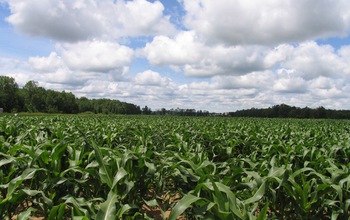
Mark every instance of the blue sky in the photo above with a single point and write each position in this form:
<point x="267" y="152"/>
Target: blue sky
<point x="219" y="55"/>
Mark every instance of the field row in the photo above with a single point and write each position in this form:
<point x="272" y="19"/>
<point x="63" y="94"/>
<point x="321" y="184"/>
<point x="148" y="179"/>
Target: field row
<point x="139" y="167"/>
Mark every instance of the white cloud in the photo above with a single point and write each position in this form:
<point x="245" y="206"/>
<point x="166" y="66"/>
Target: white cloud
<point x="61" y="20"/>
<point x="344" y="54"/>
<point x="17" y="69"/>
<point x="141" y="17"/>
<point x="324" y="87"/>
<point x="81" y="62"/>
<point x="197" y="59"/>
<point x="150" y="78"/>
<point x="11" y="64"/>
<point x="47" y="64"/>
<point x="185" y="52"/>
<point x="321" y="83"/>
<point x="96" y="56"/>
<point x="63" y="78"/>
<point x="181" y="50"/>
<point x="312" y="60"/>
<point x="76" y="20"/>
<point x="290" y="85"/>
<point x="235" y="22"/>
<point x="278" y="54"/>
<point x="258" y="80"/>
<point x="53" y="70"/>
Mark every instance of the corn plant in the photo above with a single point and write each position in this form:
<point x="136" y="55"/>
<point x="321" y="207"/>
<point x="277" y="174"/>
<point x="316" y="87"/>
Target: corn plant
<point x="130" y="167"/>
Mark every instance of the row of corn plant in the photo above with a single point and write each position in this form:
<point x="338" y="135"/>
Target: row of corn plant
<point x="142" y="167"/>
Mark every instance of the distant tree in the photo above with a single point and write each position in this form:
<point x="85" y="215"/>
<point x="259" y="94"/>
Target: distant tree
<point x="8" y="93"/>
<point x="84" y="104"/>
<point x="146" y="110"/>
<point x="320" y="112"/>
<point x="68" y="104"/>
<point x="52" y="101"/>
<point x="35" y="97"/>
<point x="163" y="111"/>
<point x="286" y="111"/>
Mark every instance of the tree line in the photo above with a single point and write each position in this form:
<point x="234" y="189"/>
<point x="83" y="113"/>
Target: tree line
<point x="33" y="98"/>
<point x="286" y="111"/>
<point x="181" y="112"/>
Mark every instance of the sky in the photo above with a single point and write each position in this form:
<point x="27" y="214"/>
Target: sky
<point x="219" y="56"/>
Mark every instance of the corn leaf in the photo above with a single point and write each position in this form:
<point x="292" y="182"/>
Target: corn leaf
<point x="182" y="205"/>
<point x="108" y="209"/>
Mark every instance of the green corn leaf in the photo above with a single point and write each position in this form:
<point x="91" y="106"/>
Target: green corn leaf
<point x="108" y="209"/>
<point x="232" y="198"/>
<point x="347" y="205"/>
<point x="78" y="206"/>
<point x="182" y="205"/>
<point x="262" y="215"/>
<point x="233" y="201"/>
<point x="120" y="175"/>
<point x="219" y="199"/>
<point x="339" y="191"/>
<point x="26" y="175"/>
<point x="58" y="150"/>
<point x="258" y="194"/>
<point x="151" y="168"/>
<point x="57" y="212"/>
<point x="105" y="174"/>
<point x="80" y="218"/>
<point x="26" y="214"/>
<point x="43" y="154"/>
<point x="335" y="216"/>
<point x="151" y="203"/>
<point x="36" y="192"/>
<point x="7" y="160"/>
<point x="123" y="210"/>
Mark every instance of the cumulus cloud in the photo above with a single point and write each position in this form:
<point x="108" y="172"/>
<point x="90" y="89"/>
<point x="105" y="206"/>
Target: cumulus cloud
<point x="140" y="17"/>
<point x="53" y="70"/>
<point x="290" y="85"/>
<point x="313" y="60"/>
<point x="96" y="56"/>
<point x="187" y="53"/>
<point x="258" y="80"/>
<point x="197" y="59"/>
<point x="180" y="50"/>
<point x="61" y="20"/>
<point x="150" y="78"/>
<point x="47" y="64"/>
<point x="235" y="22"/>
<point x="323" y="87"/>
<point x="12" y="65"/>
<point x="76" y="64"/>
<point x="19" y="70"/>
<point x="77" y="20"/>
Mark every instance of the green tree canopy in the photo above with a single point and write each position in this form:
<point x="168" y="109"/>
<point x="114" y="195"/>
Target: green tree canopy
<point x="8" y="93"/>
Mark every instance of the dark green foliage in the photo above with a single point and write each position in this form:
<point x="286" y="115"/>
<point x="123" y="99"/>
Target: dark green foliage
<point x="112" y="167"/>
<point x="8" y="94"/>
<point x="286" y="111"/>
<point x="33" y="98"/>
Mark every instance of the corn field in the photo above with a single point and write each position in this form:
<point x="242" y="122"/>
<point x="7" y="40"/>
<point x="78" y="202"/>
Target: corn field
<point x="153" y="167"/>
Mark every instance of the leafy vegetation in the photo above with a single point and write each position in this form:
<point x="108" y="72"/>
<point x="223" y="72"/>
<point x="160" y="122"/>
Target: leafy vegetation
<point x="286" y="111"/>
<point x="33" y="98"/>
<point x="131" y="167"/>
